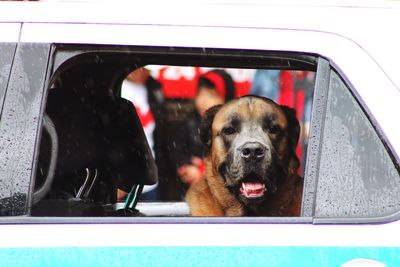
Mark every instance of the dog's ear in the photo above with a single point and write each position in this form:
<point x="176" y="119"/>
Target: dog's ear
<point x="205" y="127"/>
<point x="293" y="127"/>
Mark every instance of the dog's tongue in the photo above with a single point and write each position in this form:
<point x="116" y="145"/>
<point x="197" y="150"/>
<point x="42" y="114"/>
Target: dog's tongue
<point x="252" y="189"/>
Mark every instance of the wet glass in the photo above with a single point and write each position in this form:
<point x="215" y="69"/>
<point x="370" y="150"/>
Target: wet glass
<point x="19" y="126"/>
<point x="357" y="176"/>
<point x="6" y="55"/>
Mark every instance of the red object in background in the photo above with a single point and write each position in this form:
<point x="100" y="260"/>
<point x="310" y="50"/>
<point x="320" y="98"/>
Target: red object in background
<point x="290" y="95"/>
<point x="145" y="118"/>
<point x="178" y="82"/>
<point x="294" y="98"/>
<point x="242" y="88"/>
<point x="286" y="96"/>
<point x="181" y="82"/>
<point x="218" y="81"/>
<point x="300" y="99"/>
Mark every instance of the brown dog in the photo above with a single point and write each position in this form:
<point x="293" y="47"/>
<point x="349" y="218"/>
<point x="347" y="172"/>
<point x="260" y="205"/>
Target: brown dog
<point x="251" y="164"/>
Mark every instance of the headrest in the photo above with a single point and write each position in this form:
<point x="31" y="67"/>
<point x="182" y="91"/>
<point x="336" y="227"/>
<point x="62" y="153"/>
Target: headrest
<point x="99" y="132"/>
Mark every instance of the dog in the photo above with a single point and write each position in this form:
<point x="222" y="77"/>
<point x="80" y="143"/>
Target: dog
<point x="250" y="160"/>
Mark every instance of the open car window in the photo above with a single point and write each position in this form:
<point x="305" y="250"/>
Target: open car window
<point x="121" y="129"/>
<point x="120" y="123"/>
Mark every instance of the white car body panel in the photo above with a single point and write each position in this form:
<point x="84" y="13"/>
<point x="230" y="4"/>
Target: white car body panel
<point x="9" y="32"/>
<point x="60" y="235"/>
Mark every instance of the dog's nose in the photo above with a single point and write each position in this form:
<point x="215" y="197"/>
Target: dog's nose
<point x="253" y="151"/>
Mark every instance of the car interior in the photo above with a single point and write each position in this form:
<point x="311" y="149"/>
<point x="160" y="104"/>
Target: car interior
<point x="101" y="147"/>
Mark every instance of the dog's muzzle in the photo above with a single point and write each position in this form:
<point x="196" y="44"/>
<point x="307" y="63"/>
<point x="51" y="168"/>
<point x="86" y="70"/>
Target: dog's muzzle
<point x="253" y="156"/>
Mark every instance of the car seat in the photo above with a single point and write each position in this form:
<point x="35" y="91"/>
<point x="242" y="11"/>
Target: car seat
<point x="101" y="147"/>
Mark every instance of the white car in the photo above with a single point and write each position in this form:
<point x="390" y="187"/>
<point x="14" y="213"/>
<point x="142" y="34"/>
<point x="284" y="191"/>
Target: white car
<point x="68" y="140"/>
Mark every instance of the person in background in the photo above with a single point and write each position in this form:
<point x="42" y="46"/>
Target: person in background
<point x="145" y="93"/>
<point x="266" y="83"/>
<point x="214" y="87"/>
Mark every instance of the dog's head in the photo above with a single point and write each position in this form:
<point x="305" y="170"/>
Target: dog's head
<point x="250" y="143"/>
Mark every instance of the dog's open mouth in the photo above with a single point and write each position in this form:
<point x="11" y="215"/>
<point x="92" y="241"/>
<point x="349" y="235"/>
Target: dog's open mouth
<point x="253" y="189"/>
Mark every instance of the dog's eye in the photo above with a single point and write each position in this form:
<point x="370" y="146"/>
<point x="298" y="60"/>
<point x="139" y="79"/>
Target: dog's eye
<point x="228" y="131"/>
<point x="274" y="129"/>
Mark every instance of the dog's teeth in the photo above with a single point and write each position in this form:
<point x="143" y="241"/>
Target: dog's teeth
<point x="263" y="186"/>
<point x="244" y="186"/>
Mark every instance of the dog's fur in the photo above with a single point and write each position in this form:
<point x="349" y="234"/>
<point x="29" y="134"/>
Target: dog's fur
<point x="250" y="140"/>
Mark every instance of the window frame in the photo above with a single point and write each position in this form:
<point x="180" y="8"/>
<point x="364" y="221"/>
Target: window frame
<point x="315" y="137"/>
<point x="64" y="55"/>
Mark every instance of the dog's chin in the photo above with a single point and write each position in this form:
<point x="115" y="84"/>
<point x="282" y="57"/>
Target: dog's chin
<point x="251" y="201"/>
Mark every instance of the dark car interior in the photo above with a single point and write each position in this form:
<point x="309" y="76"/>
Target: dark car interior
<point x="100" y="147"/>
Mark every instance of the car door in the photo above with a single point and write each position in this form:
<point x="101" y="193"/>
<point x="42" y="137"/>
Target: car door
<point x="260" y="240"/>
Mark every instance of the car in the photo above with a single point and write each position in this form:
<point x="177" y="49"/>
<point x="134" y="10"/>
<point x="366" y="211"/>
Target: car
<point x="69" y="140"/>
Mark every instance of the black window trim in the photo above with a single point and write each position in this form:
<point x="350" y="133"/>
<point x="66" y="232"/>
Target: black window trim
<point x="64" y="54"/>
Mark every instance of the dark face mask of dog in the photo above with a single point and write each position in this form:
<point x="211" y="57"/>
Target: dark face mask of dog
<point x="251" y="142"/>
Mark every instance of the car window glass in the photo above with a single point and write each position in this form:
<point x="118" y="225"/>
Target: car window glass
<point x="19" y="126"/>
<point x="6" y="55"/>
<point x="357" y="176"/>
